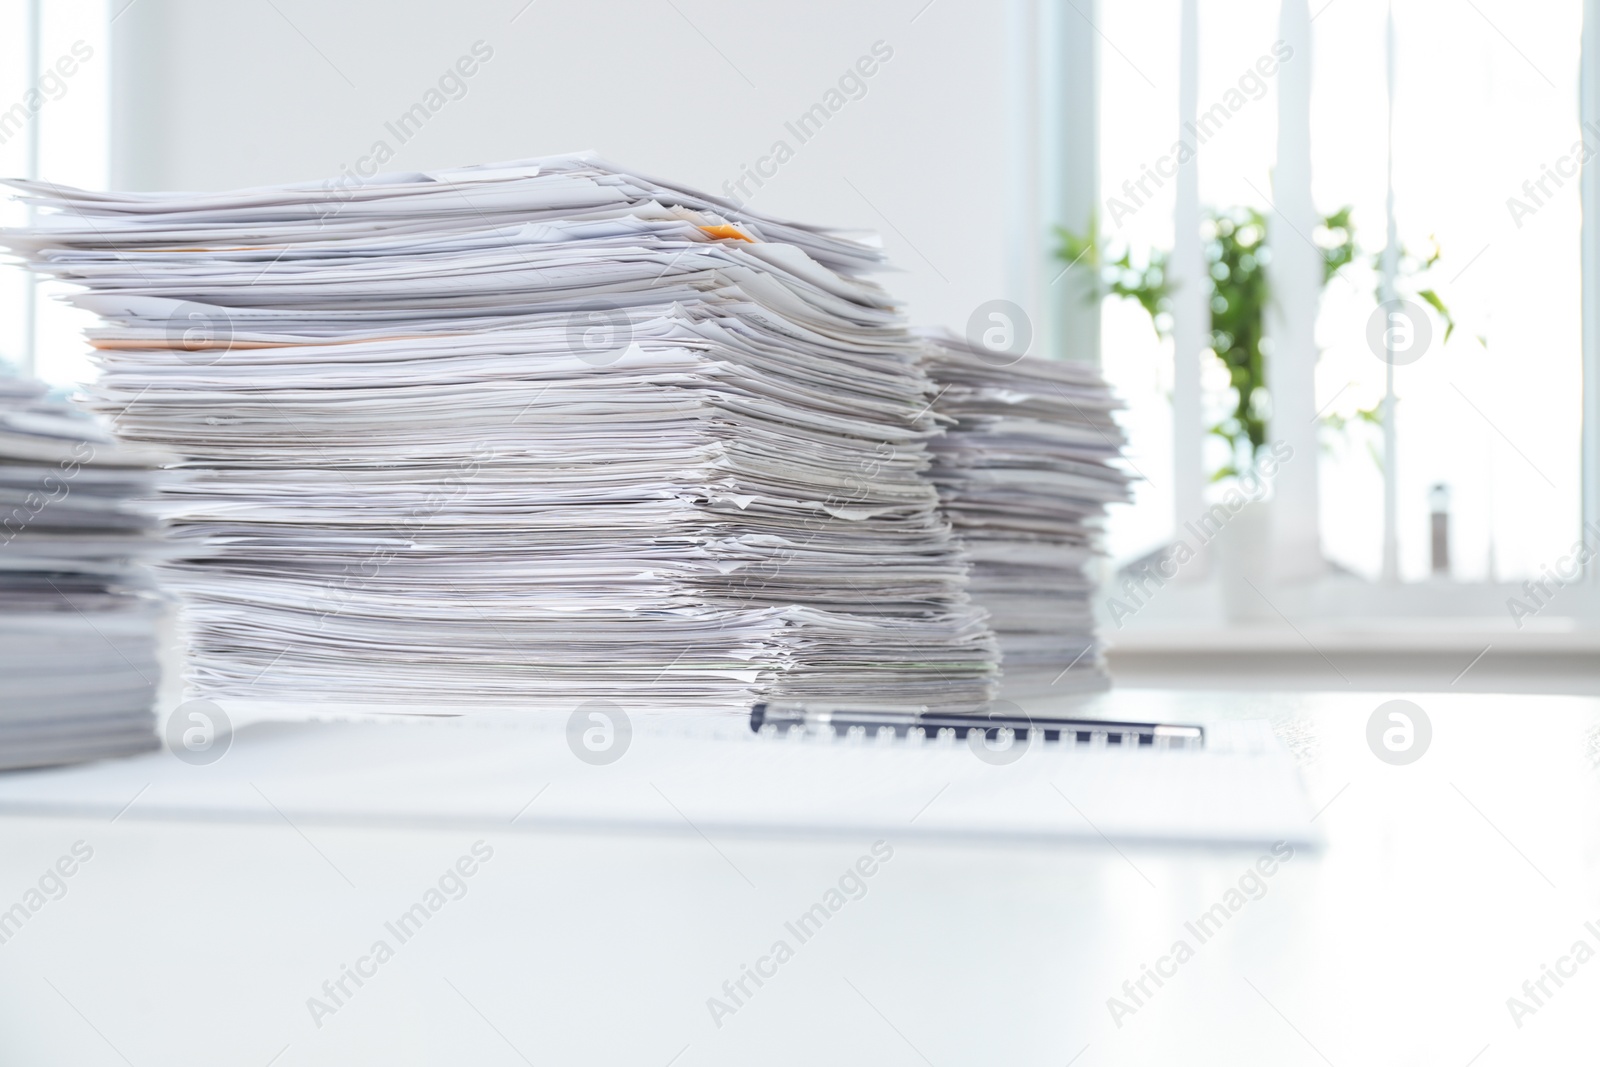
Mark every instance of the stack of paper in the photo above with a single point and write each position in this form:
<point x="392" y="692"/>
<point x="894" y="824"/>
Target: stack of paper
<point x="527" y="434"/>
<point x="77" y="636"/>
<point x="1024" y="474"/>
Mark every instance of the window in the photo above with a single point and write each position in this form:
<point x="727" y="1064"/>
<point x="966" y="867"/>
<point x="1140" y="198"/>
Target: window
<point x="1486" y="139"/>
<point x="54" y="113"/>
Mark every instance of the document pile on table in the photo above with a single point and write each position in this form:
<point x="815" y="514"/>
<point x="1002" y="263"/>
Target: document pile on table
<point x="77" y="632"/>
<point x="525" y="435"/>
<point x="1025" y="473"/>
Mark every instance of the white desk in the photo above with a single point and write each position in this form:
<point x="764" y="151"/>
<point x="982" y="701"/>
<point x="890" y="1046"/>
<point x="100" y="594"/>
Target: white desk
<point x="1444" y="885"/>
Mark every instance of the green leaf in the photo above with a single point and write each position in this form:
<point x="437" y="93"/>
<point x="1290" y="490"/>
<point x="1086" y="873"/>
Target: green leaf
<point x="1438" y="305"/>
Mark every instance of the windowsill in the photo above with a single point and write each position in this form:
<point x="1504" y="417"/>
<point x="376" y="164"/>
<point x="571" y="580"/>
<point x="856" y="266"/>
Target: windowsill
<point x="1366" y="636"/>
<point x="1342" y="632"/>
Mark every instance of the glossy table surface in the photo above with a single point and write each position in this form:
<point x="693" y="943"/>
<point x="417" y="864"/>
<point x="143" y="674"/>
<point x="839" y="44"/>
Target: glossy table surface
<point x="1444" y="885"/>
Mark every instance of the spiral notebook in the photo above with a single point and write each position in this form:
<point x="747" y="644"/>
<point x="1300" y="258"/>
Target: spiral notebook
<point x="704" y="774"/>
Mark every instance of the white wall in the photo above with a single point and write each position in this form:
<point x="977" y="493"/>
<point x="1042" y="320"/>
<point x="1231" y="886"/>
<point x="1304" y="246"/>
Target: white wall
<point x="211" y="95"/>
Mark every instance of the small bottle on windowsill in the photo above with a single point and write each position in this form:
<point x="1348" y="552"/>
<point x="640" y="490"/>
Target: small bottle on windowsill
<point x="1439" y="516"/>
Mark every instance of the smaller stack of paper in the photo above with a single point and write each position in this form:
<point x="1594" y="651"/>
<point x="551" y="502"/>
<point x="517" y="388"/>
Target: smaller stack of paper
<point x="78" y="664"/>
<point x="1024" y="475"/>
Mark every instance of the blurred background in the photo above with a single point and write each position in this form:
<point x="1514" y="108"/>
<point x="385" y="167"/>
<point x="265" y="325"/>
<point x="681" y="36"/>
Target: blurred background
<point x="1333" y="254"/>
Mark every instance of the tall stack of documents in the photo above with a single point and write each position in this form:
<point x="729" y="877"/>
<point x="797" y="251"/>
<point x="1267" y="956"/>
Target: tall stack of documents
<point x="77" y="632"/>
<point x="525" y="435"/>
<point x="1025" y="473"/>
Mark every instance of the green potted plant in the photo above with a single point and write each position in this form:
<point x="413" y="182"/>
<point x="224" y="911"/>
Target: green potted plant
<point x="1238" y="293"/>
